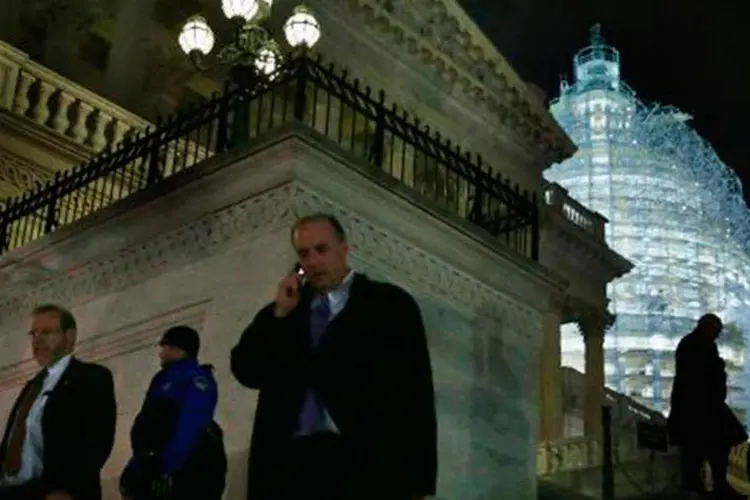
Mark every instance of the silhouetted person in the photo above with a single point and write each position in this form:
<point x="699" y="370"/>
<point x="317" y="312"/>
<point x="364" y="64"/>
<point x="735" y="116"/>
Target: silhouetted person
<point x="346" y="407"/>
<point x="700" y="421"/>
<point x="62" y="427"/>
<point x="178" y="449"/>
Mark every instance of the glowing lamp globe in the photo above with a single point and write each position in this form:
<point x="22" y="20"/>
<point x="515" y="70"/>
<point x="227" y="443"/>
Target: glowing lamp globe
<point x="266" y="61"/>
<point x="245" y="9"/>
<point x="196" y="36"/>
<point x="302" y="29"/>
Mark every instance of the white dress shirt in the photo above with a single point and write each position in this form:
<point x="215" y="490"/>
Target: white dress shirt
<point x="32" y="453"/>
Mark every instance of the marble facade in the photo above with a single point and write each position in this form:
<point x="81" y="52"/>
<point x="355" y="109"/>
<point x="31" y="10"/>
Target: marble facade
<point x="210" y="253"/>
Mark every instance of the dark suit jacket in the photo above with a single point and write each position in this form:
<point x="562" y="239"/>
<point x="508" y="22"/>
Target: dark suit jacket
<point x="372" y="372"/>
<point x="79" y="430"/>
<point x="698" y="410"/>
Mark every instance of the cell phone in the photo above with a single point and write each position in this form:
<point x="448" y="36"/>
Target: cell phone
<point x="300" y="273"/>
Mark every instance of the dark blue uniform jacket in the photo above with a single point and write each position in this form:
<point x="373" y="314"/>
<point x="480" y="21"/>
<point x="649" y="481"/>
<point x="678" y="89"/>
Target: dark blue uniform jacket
<point x="178" y="410"/>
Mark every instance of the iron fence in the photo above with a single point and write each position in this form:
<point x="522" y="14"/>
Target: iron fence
<point x="303" y="91"/>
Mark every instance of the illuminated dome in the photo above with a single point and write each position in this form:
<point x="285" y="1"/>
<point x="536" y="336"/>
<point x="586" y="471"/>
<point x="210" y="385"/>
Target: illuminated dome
<point x="674" y="209"/>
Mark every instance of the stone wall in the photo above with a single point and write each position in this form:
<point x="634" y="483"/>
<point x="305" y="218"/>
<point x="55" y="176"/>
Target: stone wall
<point x="215" y="269"/>
<point x="414" y="78"/>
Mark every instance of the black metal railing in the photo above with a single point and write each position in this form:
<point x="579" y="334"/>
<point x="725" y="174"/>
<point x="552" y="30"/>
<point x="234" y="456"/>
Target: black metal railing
<point x="303" y="91"/>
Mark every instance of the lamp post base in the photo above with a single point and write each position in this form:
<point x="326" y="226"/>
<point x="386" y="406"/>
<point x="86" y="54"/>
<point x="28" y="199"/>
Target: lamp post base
<point x="245" y="76"/>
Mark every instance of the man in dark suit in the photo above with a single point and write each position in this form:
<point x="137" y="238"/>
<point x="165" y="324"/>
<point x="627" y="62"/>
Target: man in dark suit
<point x="700" y="421"/>
<point x="61" y="429"/>
<point x="346" y="406"/>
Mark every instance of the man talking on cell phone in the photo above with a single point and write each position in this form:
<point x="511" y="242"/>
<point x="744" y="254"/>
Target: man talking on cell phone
<point x="346" y="406"/>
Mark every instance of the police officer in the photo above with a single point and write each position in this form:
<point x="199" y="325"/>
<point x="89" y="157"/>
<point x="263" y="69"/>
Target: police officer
<point x="178" y="449"/>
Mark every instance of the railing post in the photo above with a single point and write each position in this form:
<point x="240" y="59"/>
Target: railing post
<point x="378" y="144"/>
<point x="4" y="230"/>
<point x="476" y="211"/>
<point x="300" y="96"/>
<point x="222" y="121"/>
<point x="535" y="228"/>
<point x="246" y="81"/>
<point x="154" y="173"/>
<point x="608" y="473"/>
<point x="50" y="219"/>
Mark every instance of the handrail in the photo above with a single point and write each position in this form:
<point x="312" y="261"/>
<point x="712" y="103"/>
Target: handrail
<point x="304" y="91"/>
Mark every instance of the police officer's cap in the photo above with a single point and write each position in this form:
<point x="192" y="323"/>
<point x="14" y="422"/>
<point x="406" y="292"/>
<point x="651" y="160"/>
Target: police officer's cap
<point x="184" y="338"/>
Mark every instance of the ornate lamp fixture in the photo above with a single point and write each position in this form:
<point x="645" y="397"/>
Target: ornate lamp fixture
<point x="253" y="52"/>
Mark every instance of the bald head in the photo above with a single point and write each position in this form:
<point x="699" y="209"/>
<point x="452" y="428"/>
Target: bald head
<point x="710" y="325"/>
<point x="320" y="243"/>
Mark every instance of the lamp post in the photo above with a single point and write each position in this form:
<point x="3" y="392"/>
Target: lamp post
<point x="253" y="55"/>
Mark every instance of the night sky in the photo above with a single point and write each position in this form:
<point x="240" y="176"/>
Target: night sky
<point x="693" y="54"/>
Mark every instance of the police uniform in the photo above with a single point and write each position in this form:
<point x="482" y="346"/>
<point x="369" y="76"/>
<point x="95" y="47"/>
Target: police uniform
<point x="178" y="449"/>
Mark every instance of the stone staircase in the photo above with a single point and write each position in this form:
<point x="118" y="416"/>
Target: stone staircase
<point x="571" y="467"/>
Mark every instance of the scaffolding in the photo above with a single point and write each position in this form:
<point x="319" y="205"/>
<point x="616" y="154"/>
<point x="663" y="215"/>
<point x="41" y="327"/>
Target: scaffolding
<point x="674" y="209"/>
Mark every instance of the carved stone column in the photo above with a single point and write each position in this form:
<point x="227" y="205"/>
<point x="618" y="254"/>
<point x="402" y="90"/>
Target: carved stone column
<point x="128" y="65"/>
<point x="551" y="408"/>
<point x="593" y="327"/>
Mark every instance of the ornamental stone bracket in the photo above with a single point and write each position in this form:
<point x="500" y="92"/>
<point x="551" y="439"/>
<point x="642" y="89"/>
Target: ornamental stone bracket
<point x="233" y="206"/>
<point x="446" y="38"/>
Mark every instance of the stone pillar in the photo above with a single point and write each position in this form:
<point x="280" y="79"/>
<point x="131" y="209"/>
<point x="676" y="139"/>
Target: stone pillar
<point x="593" y="328"/>
<point x="551" y="407"/>
<point x="128" y="62"/>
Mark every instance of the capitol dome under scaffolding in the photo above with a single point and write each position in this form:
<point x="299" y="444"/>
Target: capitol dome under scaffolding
<point x="674" y="209"/>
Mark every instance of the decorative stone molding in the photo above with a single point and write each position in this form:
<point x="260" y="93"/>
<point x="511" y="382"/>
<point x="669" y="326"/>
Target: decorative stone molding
<point x="246" y="221"/>
<point x="567" y="247"/>
<point x="594" y="324"/>
<point x="202" y="238"/>
<point x="20" y="173"/>
<point x="464" y="58"/>
<point x="110" y="344"/>
<point x="426" y="273"/>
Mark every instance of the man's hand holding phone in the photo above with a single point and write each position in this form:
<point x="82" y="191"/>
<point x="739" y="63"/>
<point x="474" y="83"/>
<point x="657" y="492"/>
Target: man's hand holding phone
<point x="287" y="296"/>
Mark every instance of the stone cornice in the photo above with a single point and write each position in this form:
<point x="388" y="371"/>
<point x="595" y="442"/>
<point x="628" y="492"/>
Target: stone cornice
<point x="580" y="251"/>
<point x="376" y="248"/>
<point x="220" y="218"/>
<point x="444" y="36"/>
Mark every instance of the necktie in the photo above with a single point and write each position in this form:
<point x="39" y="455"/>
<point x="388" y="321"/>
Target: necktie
<point x="312" y="416"/>
<point x="12" y="462"/>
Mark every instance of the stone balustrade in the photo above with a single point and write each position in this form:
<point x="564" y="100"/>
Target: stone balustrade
<point x="559" y="200"/>
<point x="568" y="454"/>
<point x="738" y="462"/>
<point x="35" y="92"/>
<point x="585" y="453"/>
<point x="582" y="452"/>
